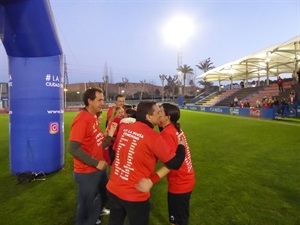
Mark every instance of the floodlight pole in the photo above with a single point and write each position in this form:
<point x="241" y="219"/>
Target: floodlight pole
<point x="180" y="78"/>
<point x="179" y="64"/>
<point x="162" y="77"/>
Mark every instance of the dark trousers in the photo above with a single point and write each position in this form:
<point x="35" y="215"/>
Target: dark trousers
<point x="89" y="197"/>
<point x="103" y="190"/>
<point x="137" y="212"/>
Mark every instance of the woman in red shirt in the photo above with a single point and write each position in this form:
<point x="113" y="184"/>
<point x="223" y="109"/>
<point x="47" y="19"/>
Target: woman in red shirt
<point x="182" y="181"/>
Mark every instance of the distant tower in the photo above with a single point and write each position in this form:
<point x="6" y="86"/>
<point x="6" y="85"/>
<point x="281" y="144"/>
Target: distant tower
<point x="105" y="81"/>
<point x="179" y="64"/>
<point x="66" y="78"/>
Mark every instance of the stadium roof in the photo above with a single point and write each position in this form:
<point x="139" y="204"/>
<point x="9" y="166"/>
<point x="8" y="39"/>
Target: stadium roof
<point x="269" y="62"/>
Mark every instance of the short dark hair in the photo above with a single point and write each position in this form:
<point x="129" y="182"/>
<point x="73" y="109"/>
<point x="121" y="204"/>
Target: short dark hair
<point x="90" y="94"/>
<point x="119" y="96"/>
<point x="144" y="108"/>
<point x="127" y="106"/>
<point x="131" y="113"/>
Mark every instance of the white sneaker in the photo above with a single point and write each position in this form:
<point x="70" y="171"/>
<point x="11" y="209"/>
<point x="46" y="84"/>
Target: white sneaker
<point x="98" y="222"/>
<point x="105" y="212"/>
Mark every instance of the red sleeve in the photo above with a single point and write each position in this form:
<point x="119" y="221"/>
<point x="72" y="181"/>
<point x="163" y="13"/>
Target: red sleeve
<point x="78" y="131"/>
<point x="117" y="120"/>
<point x="109" y="112"/>
<point x="171" y="139"/>
<point x="163" y="151"/>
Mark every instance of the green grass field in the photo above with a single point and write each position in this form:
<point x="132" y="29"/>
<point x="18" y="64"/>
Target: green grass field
<point x="247" y="170"/>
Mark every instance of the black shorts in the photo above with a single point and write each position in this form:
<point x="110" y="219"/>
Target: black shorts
<point x="179" y="205"/>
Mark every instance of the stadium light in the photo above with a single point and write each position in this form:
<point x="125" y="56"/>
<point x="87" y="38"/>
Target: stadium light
<point x="177" y="31"/>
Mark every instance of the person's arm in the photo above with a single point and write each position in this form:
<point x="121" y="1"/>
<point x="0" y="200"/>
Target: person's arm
<point x="176" y="162"/>
<point x="108" y="139"/>
<point x="76" y="150"/>
<point x="110" y="133"/>
<point x="112" y="154"/>
<point x="145" y="184"/>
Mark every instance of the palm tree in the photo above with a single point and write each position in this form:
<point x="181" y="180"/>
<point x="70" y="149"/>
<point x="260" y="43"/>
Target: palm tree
<point x="205" y="65"/>
<point x="171" y="85"/>
<point x="185" y="69"/>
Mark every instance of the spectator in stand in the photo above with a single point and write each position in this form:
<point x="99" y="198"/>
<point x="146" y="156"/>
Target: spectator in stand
<point x="264" y="98"/>
<point x="242" y="84"/>
<point x="283" y="107"/>
<point x="292" y="97"/>
<point x="137" y="148"/>
<point x="270" y="102"/>
<point x="280" y="83"/>
<point x="265" y="103"/>
<point x="119" y="101"/>
<point x="275" y="101"/>
<point x="296" y="98"/>
<point x="247" y="104"/>
<point x="231" y="104"/>
<point x="298" y="73"/>
<point x="241" y="104"/>
<point x="276" y="105"/>
<point x="236" y="101"/>
<point x="258" y="103"/>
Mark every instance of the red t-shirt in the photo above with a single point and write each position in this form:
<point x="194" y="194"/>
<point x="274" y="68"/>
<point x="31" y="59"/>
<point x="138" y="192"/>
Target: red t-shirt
<point x="182" y="180"/>
<point x="117" y="121"/>
<point x="109" y="112"/>
<point x="85" y="130"/>
<point x="137" y="149"/>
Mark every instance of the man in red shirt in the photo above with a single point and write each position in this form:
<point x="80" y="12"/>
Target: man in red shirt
<point x="85" y="145"/>
<point x="137" y="148"/>
<point x="280" y="83"/>
<point x="180" y="182"/>
<point x="120" y="101"/>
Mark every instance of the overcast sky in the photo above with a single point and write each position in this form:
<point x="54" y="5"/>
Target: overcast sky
<point x="127" y="36"/>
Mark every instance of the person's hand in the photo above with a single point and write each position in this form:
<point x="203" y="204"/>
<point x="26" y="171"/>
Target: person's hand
<point x="105" y="133"/>
<point x="102" y="164"/>
<point x="181" y="140"/>
<point x="112" y="129"/>
<point x="144" y="185"/>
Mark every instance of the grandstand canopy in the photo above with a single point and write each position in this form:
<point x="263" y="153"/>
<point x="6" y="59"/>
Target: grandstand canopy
<point x="270" y="62"/>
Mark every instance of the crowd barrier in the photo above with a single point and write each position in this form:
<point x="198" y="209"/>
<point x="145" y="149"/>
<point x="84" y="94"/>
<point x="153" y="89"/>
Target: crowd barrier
<point x="266" y="113"/>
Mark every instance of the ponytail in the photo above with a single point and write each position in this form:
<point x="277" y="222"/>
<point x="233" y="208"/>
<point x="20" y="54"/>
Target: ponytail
<point x="177" y="126"/>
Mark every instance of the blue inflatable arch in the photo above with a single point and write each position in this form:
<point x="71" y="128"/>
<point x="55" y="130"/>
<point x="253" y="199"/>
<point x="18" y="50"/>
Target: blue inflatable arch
<point x="34" y="52"/>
